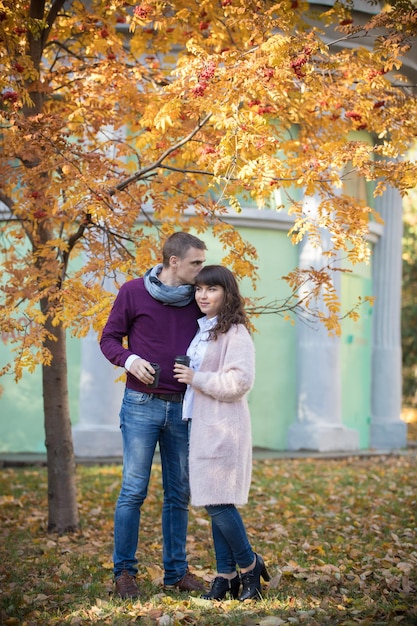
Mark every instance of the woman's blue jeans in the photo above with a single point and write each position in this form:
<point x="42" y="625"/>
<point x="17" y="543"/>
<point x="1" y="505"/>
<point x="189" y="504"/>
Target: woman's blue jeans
<point x="144" y="422"/>
<point x="231" y="543"/>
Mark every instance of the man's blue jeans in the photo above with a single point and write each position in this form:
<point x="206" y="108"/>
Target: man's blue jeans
<point x="231" y="543"/>
<point x="145" y="421"/>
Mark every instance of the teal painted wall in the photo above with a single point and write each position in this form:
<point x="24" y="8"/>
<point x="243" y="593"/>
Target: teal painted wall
<point x="273" y="399"/>
<point x="356" y="355"/>
<point x="21" y="404"/>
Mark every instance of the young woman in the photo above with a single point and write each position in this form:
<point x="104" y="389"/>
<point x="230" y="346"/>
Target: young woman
<point x="221" y="372"/>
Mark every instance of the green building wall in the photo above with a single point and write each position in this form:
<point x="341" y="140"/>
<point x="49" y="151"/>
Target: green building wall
<point x="21" y="404"/>
<point x="356" y="356"/>
<point x="273" y="400"/>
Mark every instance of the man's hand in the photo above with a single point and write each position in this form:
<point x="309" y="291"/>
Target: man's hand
<point x="143" y="371"/>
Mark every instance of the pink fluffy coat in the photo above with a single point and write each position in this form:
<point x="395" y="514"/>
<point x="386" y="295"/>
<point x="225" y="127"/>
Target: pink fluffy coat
<point x="221" y="438"/>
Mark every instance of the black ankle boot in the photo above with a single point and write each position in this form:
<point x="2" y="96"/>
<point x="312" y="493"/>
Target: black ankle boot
<point x="251" y="581"/>
<point x="221" y="586"/>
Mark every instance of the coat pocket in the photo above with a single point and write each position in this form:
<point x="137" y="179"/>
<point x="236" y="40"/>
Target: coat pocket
<point x="214" y="438"/>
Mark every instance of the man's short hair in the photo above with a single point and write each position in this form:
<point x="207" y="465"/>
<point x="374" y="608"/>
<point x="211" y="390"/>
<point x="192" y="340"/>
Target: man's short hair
<point x="178" y="245"/>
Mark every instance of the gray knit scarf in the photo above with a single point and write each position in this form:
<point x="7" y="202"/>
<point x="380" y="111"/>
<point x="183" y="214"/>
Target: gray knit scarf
<point x="174" y="296"/>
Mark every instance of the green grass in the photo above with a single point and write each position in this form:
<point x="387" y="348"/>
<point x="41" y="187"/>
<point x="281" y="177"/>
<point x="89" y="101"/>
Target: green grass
<point x="338" y="536"/>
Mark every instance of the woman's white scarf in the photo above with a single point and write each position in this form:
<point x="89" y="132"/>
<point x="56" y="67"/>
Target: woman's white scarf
<point x="174" y="296"/>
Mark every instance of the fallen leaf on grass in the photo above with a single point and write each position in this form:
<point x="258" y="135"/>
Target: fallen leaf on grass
<point x="64" y="570"/>
<point x="200" y="601"/>
<point x="41" y="597"/>
<point x="155" y="573"/>
<point x="275" y="580"/>
<point x="271" y="621"/>
<point x="405" y="567"/>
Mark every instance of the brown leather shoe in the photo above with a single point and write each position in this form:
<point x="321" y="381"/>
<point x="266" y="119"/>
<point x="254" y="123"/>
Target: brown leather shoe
<point x="189" y="582"/>
<point x="126" y="586"/>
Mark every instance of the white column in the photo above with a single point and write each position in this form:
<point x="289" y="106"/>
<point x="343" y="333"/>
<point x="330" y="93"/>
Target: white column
<point x="388" y="431"/>
<point x="100" y="397"/>
<point x="97" y="432"/>
<point x="318" y="423"/>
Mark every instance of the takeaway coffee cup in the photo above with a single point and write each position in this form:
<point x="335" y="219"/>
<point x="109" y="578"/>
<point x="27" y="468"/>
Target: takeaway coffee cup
<point x="155" y="382"/>
<point x="183" y="359"/>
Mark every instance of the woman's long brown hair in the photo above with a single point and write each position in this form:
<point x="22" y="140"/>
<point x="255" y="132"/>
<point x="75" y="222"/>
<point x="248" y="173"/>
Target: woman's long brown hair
<point x="232" y="311"/>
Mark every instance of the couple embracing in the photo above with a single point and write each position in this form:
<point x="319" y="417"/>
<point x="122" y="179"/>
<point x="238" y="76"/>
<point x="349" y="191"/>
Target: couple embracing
<point x="198" y="414"/>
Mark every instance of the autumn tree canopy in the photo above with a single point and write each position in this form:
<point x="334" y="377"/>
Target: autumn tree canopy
<point x="110" y="110"/>
<point x="176" y="112"/>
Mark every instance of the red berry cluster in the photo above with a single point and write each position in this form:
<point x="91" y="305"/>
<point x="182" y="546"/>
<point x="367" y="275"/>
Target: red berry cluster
<point x="10" y="96"/>
<point x="298" y="63"/>
<point x="265" y="108"/>
<point x="198" y="90"/>
<point x="356" y="117"/>
<point x="268" y="73"/>
<point x="374" y="73"/>
<point x="143" y="11"/>
<point x="206" y="74"/>
<point x="262" y="108"/>
<point x="208" y="150"/>
<point x="353" y="115"/>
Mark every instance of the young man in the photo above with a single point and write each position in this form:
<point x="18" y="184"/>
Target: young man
<point x="158" y="315"/>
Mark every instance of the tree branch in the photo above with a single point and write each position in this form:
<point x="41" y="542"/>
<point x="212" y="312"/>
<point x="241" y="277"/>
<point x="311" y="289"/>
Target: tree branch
<point x="187" y="171"/>
<point x="50" y="19"/>
<point x="132" y="179"/>
<point x="6" y="200"/>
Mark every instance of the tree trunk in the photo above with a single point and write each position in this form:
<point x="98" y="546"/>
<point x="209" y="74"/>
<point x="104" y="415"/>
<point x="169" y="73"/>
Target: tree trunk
<point x="62" y="496"/>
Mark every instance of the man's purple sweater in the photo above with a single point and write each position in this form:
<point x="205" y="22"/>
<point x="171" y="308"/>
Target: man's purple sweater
<point x="155" y="331"/>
